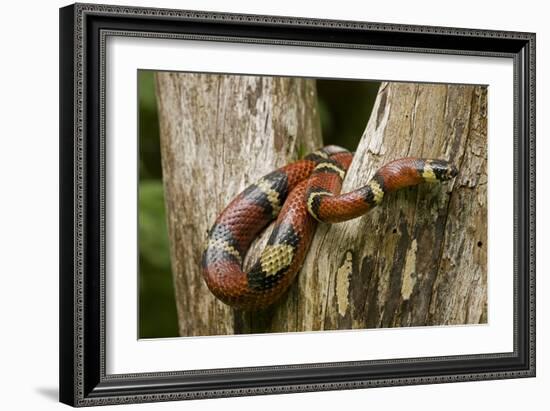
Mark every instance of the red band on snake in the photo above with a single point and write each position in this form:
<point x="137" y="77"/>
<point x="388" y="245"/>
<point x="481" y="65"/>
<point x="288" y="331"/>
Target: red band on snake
<point x="298" y="196"/>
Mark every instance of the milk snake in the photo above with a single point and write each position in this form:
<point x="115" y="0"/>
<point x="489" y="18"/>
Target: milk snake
<point x="298" y="195"/>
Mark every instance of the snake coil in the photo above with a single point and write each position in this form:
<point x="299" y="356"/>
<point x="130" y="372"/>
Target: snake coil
<point x="298" y="195"/>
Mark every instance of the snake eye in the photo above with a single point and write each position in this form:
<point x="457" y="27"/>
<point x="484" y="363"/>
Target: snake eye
<point x="442" y="169"/>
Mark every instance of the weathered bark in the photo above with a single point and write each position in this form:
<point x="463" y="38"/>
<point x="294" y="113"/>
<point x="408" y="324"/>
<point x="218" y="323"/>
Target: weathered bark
<point x="418" y="259"/>
<point x="220" y="133"/>
<point x="421" y="257"/>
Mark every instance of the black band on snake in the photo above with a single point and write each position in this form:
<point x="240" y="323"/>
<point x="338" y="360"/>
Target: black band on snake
<point x="298" y="196"/>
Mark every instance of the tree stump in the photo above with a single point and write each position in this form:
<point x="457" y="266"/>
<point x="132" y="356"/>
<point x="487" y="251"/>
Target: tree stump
<point x="219" y="134"/>
<point x="418" y="259"/>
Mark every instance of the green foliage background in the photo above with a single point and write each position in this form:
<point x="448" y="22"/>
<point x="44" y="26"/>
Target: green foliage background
<point x="344" y="107"/>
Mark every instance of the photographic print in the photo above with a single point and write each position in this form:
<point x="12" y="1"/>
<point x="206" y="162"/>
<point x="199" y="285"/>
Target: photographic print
<point x="272" y="204"/>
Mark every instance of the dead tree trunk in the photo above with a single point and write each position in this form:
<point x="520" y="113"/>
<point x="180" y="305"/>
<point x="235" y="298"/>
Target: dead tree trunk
<point x="418" y="259"/>
<point x="421" y="257"/>
<point x="219" y="134"/>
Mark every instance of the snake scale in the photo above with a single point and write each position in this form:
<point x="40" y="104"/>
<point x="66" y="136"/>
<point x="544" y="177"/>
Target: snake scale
<point x="298" y="196"/>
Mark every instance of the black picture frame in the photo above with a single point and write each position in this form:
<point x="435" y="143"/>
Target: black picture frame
<point x="83" y="381"/>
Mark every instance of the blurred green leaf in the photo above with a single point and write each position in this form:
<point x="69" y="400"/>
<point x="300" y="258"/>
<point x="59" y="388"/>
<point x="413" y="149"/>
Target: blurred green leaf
<point x="147" y="99"/>
<point x="157" y="302"/>
<point x="149" y="137"/>
<point x="153" y="234"/>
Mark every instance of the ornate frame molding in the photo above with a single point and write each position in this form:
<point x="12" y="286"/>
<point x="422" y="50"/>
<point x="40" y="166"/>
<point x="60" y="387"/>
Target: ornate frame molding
<point x="83" y="33"/>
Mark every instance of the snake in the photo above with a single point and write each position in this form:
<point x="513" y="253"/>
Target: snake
<point x="298" y="196"/>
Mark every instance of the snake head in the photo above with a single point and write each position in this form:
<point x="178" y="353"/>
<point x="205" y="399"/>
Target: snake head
<point x="443" y="170"/>
<point x="452" y="171"/>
